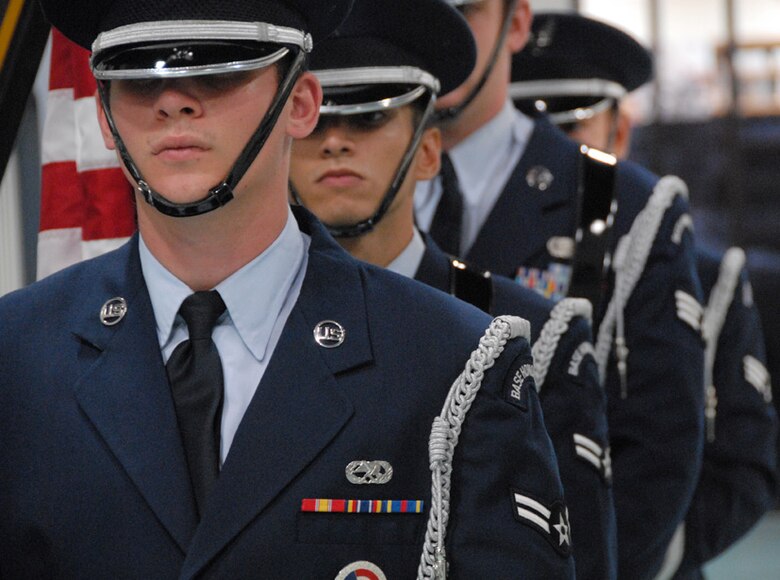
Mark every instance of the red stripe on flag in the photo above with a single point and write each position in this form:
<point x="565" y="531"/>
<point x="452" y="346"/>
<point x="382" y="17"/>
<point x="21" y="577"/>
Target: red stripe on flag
<point x="110" y="212"/>
<point x="70" y="67"/>
<point x="63" y="202"/>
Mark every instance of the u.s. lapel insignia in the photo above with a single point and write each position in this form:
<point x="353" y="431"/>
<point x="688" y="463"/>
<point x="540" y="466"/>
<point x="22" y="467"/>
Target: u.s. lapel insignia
<point x="365" y="472"/>
<point x="539" y="177"/>
<point x="329" y="334"/>
<point x="552" y="522"/>
<point x="113" y="311"/>
<point x="361" y="570"/>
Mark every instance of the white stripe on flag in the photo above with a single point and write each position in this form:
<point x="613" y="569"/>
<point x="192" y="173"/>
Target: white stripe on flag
<point x="94" y="248"/>
<point x="91" y="151"/>
<point x="58" y="249"/>
<point x="59" y="128"/>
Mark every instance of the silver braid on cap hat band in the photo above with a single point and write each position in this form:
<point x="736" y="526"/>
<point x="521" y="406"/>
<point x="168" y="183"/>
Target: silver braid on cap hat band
<point x="446" y="432"/>
<point x="377" y="75"/>
<point x="542" y="89"/>
<point x="556" y="326"/>
<point x="629" y="264"/>
<point x="197" y="30"/>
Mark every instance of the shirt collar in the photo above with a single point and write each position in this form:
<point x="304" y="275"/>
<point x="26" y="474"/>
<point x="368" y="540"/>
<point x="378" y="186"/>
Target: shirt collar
<point x="254" y="295"/>
<point x="409" y="260"/>
<point x="475" y="159"/>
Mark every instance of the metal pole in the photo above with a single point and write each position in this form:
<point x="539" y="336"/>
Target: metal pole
<point x="23" y="38"/>
<point x="654" y="9"/>
<point x="731" y="49"/>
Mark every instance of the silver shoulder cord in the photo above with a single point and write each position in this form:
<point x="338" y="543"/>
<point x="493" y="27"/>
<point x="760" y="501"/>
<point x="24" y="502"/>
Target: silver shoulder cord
<point x="446" y="431"/>
<point x="629" y="264"/>
<point x="712" y="324"/>
<point x="556" y="326"/>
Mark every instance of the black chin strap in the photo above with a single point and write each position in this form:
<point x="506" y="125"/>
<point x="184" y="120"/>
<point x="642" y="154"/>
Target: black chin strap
<point x="365" y="226"/>
<point x="451" y="113"/>
<point x="222" y="193"/>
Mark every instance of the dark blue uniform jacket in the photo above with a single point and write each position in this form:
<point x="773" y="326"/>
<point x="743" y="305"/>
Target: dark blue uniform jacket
<point x="656" y="432"/>
<point x="738" y="482"/>
<point x="574" y="407"/>
<point x="93" y="482"/>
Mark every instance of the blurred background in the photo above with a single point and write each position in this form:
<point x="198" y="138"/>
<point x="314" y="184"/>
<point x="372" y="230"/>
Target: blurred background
<point x="711" y="116"/>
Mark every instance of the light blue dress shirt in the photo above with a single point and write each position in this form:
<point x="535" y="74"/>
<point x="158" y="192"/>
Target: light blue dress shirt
<point x="408" y="261"/>
<point x="484" y="162"/>
<point x="259" y="298"/>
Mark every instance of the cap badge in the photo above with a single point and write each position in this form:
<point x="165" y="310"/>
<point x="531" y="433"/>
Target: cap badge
<point x="113" y="311"/>
<point x="539" y="177"/>
<point x="369" y="472"/>
<point x="361" y="571"/>
<point x="329" y="334"/>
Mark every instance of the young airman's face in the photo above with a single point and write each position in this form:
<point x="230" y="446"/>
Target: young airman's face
<point x="343" y="169"/>
<point x="185" y="134"/>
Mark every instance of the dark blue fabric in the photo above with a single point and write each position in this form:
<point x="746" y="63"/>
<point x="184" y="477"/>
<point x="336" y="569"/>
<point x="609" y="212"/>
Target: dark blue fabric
<point x="656" y="433"/>
<point x="573" y="403"/>
<point x="93" y="481"/>
<point x="738" y="483"/>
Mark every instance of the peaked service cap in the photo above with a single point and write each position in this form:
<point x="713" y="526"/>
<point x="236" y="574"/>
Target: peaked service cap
<point x="572" y="61"/>
<point x="83" y="20"/>
<point x="385" y="35"/>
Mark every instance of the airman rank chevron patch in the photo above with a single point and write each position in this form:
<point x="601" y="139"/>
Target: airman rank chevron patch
<point x="757" y="375"/>
<point x="689" y="310"/>
<point x="363" y="506"/>
<point x="596" y="455"/>
<point x="552" y="522"/>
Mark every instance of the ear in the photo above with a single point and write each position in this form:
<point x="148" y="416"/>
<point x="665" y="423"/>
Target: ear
<point x="623" y="134"/>
<point x="305" y="101"/>
<point x="105" y="130"/>
<point x="427" y="160"/>
<point x="519" y="27"/>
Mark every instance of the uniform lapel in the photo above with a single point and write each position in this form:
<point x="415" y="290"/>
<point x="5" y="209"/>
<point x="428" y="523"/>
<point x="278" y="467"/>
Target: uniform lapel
<point x="298" y="408"/>
<point x="125" y="394"/>
<point x="434" y="268"/>
<point x="532" y="212"/>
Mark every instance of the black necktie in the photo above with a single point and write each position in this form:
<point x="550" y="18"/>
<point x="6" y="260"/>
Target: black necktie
<point x="195" y="374"/>
<point x="447" y="221"/>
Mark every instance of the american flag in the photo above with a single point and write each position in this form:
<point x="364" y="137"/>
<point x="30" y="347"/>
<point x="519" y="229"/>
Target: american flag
<point x="86" y="202"/>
